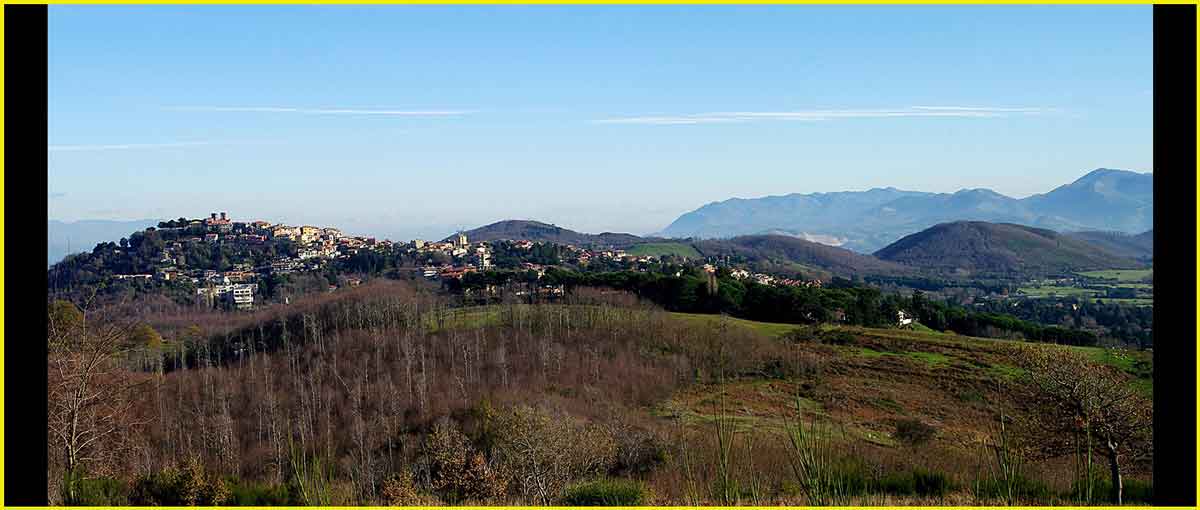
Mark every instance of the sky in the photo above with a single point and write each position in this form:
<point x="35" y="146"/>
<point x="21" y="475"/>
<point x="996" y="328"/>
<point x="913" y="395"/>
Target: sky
<point x="414" y="121"/>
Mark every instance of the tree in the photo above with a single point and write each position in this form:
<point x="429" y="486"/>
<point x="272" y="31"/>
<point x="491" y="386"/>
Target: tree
<point x="64" y="319"/>
<point x="1080" y="403"/>
<point x="145" y="336"/>
<point x="90" y="397"/>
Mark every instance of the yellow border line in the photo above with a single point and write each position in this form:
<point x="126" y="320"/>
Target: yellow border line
<point x="565" y="2"/>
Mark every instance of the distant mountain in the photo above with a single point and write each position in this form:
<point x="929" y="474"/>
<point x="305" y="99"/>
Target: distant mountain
<point x="786" y="252"/>
<point x="865" y="221"/>
<point x="64" y="237"/>
<point x="1104" y="199"/>
<point x="1140" y="246"/>
<point x="974" y="247"/>
<point x="538" y="231"/>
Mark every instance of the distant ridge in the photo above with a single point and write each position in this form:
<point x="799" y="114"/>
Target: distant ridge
<point x="969" y="247"/>
<point x="865" y="221"/>
<point x="787" y="250"/>
<point x="1139" y="246"/>
<point x="66" y="237"/>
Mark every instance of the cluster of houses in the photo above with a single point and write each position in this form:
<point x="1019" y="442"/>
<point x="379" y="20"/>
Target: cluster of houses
<point x="478" y="255"/>
<point x="236" y="287"/>
<point x="766" y="279"/>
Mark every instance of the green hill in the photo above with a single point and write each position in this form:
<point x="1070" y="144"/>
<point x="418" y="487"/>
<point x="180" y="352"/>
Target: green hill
<point x="999" y="248"/>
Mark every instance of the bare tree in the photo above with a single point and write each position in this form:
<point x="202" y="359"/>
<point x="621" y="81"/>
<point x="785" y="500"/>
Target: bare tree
<point x="91" y="398"/>
<point x="1080" y="402"/>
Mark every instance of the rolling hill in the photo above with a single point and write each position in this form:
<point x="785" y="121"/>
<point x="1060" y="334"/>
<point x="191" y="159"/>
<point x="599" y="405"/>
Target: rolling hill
<point x="1140" y="246"/>
<point x="969" y="247"/>
<point x="538" y="231"/>
<point x="865" y="221"/>
<point x="786" y="250"/>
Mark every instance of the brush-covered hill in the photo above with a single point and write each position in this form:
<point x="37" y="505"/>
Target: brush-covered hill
<point x="787" y="250"/>
<point x="1140" y="246"/>
<point x="538" y="231"/>
<point x="995" y="248"/>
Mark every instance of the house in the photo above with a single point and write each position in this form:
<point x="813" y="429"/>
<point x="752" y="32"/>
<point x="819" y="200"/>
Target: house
<point x="903" y="319"/>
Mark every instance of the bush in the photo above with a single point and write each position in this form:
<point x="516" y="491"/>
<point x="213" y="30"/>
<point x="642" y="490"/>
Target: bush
<point x="258" y="494"/>
<point x="913" y="431"/>
<point x="638" y="450"/>
<point x="1024" y="488"/>
<point x="1135" y="491"/>
<point x="399" y="489"/>
<point x="917" y="482"/>
<point x="101" y="491"/>
<point x="189" y="486"/>
<point x="544" y="453"/>
<point x="606" y="492"/>
<point x="457" y="472"/>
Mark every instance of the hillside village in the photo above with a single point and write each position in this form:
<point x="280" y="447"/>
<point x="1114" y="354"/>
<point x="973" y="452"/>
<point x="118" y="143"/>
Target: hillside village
<point x="314" y="247"/>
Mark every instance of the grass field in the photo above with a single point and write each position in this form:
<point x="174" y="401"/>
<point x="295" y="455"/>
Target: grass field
<point x="1048" y="291"/>
<point x="660" y="249"/>
<point x="1121" y="275"/>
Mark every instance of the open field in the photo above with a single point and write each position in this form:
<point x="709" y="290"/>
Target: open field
<point x="1121" y="275"/>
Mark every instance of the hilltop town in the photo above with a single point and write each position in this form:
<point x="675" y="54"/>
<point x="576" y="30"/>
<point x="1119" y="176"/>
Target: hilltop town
<point x="225" y="262"/>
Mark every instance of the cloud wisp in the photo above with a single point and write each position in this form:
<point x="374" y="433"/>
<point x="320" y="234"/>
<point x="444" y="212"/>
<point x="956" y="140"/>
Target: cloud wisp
<point x="825" y="115"/>
<point x="124" y="146"/>
<point x="324" y="111"/>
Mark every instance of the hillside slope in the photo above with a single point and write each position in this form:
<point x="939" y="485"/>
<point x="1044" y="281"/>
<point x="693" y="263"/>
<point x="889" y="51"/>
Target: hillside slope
<point x="1140" y="246"/>
<point x="981" y="247"/>
<point x="538" y="231"/>
<point x="780" y="249"/>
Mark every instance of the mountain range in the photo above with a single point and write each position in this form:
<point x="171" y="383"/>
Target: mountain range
<point x="865" y="221"/>
<point x="66" y="237"/>
<point x="958" y="248"/>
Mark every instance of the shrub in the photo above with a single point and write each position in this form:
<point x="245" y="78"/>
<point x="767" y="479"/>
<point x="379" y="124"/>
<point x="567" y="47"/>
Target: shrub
<point x="1024" y="488"/>
<point x="913" y="431"/>
<point x="1134" y="490"/>
<point x="258" y="494"/>
<point x="837" y="337"/>
<point x="187" y="486"/>
<point x="606" y="492"/>
<point x="917" y="482"/>
<point x="102" y="491"/>
<point x="457" y="472"/>
<point x="638" y="450"/>
<point x="544" y="453"/>
<point x="399" y="489"/>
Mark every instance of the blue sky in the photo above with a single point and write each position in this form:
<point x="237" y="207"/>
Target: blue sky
<point x="407" y="121"/>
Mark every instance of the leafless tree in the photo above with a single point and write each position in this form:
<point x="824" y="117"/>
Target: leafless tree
<point x="91" y="398"/>
<point x="1077" y="400"/>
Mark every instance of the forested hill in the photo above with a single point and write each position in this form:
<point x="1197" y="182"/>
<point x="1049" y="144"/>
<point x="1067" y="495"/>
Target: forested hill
<point x="787" y="250"/>
<point x="981" y="247"/>
<point x="1140" y="246"/>
<point x="538" y="231"/>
